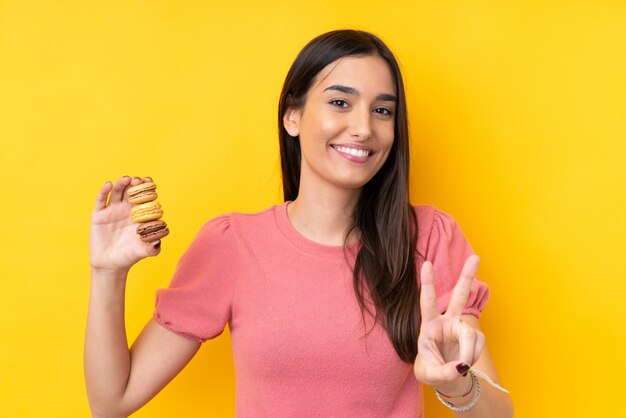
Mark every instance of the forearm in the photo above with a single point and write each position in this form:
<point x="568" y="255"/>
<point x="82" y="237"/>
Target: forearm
<point x="107" y="358"/>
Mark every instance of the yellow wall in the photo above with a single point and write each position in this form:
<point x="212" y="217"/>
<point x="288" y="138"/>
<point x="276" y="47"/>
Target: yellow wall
<point x="518" y="120"/>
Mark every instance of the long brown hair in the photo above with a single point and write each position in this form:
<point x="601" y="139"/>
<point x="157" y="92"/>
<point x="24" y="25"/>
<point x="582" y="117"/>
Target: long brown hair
<point x="384" y="268"/>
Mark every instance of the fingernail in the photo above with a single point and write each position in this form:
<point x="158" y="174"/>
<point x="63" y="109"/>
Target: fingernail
<point x="462" y="368"/>
<point x="157" y="245"/>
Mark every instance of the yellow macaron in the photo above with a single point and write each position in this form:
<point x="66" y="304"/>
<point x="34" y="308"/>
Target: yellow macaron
<point x="142" y="193"/>
<point x="150" y="211"/>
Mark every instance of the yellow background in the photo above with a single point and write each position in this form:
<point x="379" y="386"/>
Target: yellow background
<point x="517" y="111"/>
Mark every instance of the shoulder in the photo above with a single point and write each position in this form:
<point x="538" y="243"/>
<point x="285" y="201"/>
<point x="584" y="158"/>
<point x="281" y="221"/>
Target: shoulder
<point x="234" y="224"/>
<point x="445" y="245"/>
<point x="222" y="238"/>
<point x="433" y="225"/>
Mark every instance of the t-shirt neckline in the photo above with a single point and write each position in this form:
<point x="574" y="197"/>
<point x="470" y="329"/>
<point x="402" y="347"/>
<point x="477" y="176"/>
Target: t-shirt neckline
<point x="291" y="233"/>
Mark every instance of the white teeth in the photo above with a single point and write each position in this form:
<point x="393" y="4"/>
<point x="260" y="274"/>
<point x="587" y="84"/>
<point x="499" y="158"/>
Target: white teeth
<point x="353" y="151"/>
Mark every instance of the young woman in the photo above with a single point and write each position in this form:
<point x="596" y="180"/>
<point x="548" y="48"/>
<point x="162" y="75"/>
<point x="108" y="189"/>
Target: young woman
<point x="327" y="312"/>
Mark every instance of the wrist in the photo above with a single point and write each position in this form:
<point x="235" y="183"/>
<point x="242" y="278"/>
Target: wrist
<point x="467" y="401"/>
<point x="107" y="289"/>
<point x="105" y="274"/>
<point x="458" y="388"/>
<point x="108" y="284"/>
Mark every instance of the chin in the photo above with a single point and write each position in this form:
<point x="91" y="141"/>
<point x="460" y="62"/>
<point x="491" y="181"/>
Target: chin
<point x="352" y="184"/>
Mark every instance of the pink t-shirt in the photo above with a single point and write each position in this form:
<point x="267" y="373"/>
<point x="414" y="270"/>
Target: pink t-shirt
<point x="298" y="338"/>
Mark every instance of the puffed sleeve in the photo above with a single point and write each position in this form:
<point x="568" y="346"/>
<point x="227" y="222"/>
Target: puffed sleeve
<point x="448" y="249"/>
<point x="197" y="304"/>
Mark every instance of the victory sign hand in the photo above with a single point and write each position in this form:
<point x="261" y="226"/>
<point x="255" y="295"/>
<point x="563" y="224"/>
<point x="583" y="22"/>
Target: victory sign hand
<point x="447" y="346"/>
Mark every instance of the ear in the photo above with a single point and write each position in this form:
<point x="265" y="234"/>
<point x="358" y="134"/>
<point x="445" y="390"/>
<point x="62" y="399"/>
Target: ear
<point x="291" y="121"/>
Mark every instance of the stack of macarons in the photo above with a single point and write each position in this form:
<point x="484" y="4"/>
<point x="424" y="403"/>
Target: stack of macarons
<point x="147" y="211"/>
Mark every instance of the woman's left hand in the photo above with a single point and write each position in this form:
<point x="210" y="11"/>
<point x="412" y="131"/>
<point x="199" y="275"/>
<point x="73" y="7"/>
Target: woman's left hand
<point x="446" y="347"/>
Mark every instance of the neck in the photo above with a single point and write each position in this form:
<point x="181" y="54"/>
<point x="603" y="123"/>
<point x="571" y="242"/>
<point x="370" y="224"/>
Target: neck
<point x="324" y="217"/>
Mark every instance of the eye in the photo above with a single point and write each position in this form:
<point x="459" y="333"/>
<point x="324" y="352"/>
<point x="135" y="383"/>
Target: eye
<point x="339" y="103"/>
<point x="383" y="111"/>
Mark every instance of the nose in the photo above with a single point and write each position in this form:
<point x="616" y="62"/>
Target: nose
<point x="360" y="124"/>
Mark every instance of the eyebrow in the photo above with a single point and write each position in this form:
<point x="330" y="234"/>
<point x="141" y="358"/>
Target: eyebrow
<point x="351" y="90"/>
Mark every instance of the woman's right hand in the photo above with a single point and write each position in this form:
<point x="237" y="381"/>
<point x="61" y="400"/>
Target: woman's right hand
<point x="114" y="243"/>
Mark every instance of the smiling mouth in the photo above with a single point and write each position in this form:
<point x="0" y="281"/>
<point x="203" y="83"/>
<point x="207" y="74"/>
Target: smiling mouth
<point x="353" y="151"/>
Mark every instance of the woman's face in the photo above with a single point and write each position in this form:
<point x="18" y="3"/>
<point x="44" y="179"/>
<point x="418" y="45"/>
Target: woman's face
<point x="346" y="126"/>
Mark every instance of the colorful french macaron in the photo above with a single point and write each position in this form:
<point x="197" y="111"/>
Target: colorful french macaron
<point x="145" y="212"/>
<point x="142" y="193"/>
<point x="152" y="231"/>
